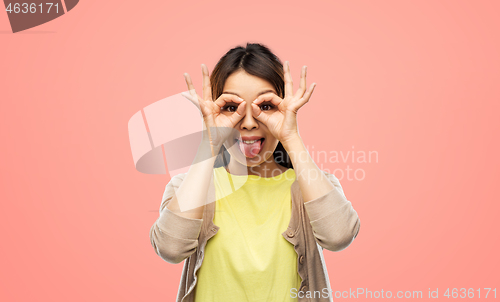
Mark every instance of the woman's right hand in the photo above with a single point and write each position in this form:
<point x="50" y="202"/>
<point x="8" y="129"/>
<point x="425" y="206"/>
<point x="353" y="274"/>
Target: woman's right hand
<point x="218" y="121"/>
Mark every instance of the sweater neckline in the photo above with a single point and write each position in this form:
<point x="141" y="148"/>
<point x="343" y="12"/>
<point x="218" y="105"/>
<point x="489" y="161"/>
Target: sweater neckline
<point x="288" y="174"/>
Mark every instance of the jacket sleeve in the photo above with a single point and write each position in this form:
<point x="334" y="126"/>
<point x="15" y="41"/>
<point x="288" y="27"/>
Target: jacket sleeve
<point x="173" y="237"/>
<point x="334" y="221"/>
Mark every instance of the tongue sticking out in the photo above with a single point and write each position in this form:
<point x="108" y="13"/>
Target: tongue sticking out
<point x="250" y="150"/>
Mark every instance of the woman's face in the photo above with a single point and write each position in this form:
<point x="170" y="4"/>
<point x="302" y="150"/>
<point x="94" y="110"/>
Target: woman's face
<point x="255" y="143"/>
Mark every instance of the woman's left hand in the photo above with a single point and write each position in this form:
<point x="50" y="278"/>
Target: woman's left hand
<point x="281" y="120"/>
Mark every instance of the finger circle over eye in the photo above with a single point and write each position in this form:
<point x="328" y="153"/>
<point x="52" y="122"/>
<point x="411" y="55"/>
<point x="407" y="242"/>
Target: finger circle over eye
<point x="268" y="97"/>
<point x="226" y="98"/>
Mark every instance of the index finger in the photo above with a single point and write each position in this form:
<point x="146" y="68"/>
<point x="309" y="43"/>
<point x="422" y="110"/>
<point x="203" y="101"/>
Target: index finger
<point x="270" y="96"/>
<point x="226" y="98"/>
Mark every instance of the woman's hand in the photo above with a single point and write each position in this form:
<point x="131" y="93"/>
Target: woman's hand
<point x="282" y="121"/>
<point x="217" y="126"/>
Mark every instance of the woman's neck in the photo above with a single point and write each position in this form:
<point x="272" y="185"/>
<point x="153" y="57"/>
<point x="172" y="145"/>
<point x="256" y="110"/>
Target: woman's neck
<point x="269" y="168"/>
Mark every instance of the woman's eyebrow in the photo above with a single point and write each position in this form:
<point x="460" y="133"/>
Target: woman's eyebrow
<point x="260" y="93"/>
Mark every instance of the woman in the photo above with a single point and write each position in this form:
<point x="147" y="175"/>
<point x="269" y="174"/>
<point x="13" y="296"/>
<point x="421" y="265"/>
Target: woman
<point x="276" y="210"/>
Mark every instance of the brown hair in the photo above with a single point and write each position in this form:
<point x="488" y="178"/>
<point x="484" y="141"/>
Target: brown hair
<point x="255" y="59"/>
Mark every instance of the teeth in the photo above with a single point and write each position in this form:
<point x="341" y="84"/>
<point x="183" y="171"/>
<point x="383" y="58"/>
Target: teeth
<point x="250" y="142"/>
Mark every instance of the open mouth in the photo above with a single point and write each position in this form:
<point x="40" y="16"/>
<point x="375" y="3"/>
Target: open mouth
<point x="250" y="148"/>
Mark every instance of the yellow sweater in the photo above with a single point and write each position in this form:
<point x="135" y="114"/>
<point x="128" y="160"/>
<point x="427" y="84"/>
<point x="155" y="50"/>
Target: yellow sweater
<point x="248" y="259"/>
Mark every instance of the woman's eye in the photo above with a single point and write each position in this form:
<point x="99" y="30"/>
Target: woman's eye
<point x="266" y="107"/>
<point x="230" y="108"/>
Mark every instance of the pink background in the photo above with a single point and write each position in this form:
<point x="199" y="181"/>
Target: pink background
<point x="416" y="81"/>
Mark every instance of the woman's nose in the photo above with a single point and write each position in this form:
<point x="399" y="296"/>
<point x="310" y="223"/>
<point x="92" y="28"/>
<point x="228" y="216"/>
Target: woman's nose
<point x="248" y="122"/>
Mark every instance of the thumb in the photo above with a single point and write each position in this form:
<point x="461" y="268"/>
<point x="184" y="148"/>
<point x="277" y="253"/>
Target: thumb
<point x="258" y="114"/>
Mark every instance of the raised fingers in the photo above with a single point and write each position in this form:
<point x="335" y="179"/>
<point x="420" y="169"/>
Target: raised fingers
<point x="192" y="96"/>
<point x="288" y="79"/>
<point x="305" y="98"/>
<point x="207" y="89"/>
<point x="302" y="88"/>
<point x="190" y="85"/>
<point x="191" y="99"/>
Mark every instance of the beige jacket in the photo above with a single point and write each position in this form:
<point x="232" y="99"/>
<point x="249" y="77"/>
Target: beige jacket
<point x="328" y="222"/>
